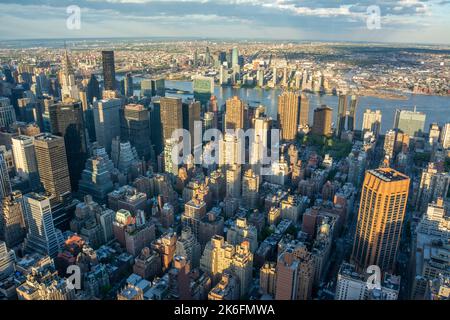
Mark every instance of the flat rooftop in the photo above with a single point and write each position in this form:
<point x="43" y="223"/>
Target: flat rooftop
<point x="388" y="174"/>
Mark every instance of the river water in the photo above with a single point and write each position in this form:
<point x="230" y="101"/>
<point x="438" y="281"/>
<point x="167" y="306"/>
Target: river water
<point x="436" y="108"/>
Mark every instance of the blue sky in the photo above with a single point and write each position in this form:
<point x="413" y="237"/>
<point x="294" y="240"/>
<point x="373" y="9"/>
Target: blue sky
<point x="410" y="21"/>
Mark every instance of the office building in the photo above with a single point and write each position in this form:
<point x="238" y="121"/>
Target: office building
<point x="69" y="88"/>
<point x="380" y="219"/>
<point x="93" y="89"/>
<point x="107" y="121"/>
<point x="323" y="117"/>
<point x="191" y="118"/>
<point x="171" y="116"/>
<point x="303" y="119"/>
<point x="7" y="113"/>
<point x="128" y="88"/>
<point x="351" y="118"/>
<point x="288" y="113"/>
<point x="153" y="87"/>
<point x="7" y="260"/>
<point x="445" y="136"/>
<point x="135" y="127"/>
<point x="52" y="165"/>
<point x="12" y="221"/>
<point x="25" y="159"/>
<point x="372" y="122"/>
<point x="70" y="125"/>
<point x="5" y="182"/>
<point x="235" y="113"/>
<point x="109" y="70"/>
<point x="96" y="177"/>
<point x="41" y="236"/>
<point x="342" y="115"/>
<point x="409" y="122"/>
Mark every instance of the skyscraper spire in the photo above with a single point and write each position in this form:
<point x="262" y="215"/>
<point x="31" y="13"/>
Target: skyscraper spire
<point x="69" y="88"/>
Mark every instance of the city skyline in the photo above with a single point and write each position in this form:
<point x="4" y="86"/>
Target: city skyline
<point x="202" y="170"/>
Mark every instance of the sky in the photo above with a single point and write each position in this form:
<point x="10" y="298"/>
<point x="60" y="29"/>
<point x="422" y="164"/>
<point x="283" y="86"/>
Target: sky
<point x="404" y="21"/>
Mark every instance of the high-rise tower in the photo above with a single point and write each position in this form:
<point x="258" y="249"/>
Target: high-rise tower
<point x="288" y="111"/>
<point x="380" y="218"/>
<point x="109" y="70"/>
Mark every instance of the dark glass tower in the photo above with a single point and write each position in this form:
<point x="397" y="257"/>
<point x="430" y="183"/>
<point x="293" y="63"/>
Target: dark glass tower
<point x="93" y="89"/>
<point x="109" y="71"/>
<point x="70" y="125"/>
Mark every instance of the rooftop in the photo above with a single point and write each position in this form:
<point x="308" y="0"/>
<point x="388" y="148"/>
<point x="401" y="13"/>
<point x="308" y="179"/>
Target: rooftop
<point x="388" y="174"/>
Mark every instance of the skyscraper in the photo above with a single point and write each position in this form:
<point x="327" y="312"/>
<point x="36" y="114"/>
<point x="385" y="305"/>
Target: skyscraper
<point x="191" y="114"/>
<point x="93" y="89"/>
<point x="5" y="182"/>
<point x="96" y="177"/>
<point x="352" y="113"/>
<point x="69" y="88"/>
<point x="109" y="70"/>
<point x="25" y="159"/>
<point x="303" y="119"/>
<point x="234" y="57"/>
<point x="410" y="122"/>
<point x="7" y="259"/>
<point x="445" y="136"/>
<point x="136" y="128"/>
<point x="41" y="236"/>
<point x="7" y="113"/>
<point x="12" y="223"/>
<point x="234" y="116"/>
<point x="128" y="85"/>
<point x="342" y="115"/>
<point x="372" y="122"/>
<point x="288" y="112"/>
<point x="322" y="121"/>
<point x="52" y="165"/>
<point x="171" y="116"/>
<point x="380" y="218"/>
<point x="70" y="125"/>
<point x="107" y="121"/>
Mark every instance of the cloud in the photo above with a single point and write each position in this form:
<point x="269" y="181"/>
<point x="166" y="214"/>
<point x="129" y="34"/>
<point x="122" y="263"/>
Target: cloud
<point x="305" y="19"/>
